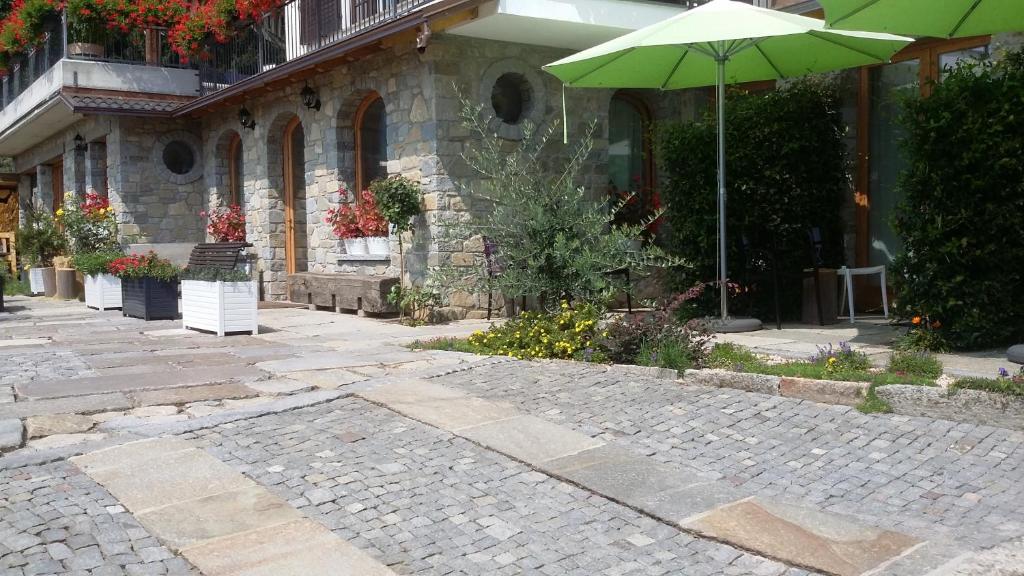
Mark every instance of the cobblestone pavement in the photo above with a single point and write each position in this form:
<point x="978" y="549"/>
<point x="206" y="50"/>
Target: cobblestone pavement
<point x="55" y="520"/>
<point x="425" y="502"/>
<point x="934" y="478"/>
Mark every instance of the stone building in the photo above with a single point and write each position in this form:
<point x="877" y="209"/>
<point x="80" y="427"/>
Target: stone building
<point x="322" y="97"/>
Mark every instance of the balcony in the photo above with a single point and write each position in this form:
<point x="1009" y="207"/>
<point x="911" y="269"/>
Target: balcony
<point x="296" y="29"/>
<point x="45" y="88"/>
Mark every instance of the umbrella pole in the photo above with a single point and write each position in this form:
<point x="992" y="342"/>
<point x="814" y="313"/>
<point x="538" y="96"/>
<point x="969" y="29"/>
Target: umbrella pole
<point x="723" y="274"/>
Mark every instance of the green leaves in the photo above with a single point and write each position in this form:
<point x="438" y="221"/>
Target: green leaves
<point x="962" y="214"/>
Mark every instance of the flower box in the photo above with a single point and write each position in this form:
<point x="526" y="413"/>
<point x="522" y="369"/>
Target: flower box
<point x="219" y="306"/>
<point x="149" y="298"/>
<point x="102" y="291"/>
<point x="355" y="246"/>
<point x="378" y="245"/>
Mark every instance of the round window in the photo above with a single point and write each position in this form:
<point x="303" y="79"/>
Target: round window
<point x="511" y="97"/>
<point x="179" y="157"/>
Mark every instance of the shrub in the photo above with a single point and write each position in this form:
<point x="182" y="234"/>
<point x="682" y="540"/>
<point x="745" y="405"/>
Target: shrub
<point x="963" y="197"/>
<point x="93" y="263"/>
<point x="212" y="274"/>
<point x="915" y="363"/>
<point x="632" y="339"/>
<point x="39" y="240"/>
<point x="729" y="356"/>
<point x="398" y="199"/>
<point x="553" y="239"/>
<point x="568" y="334"/>
<point x="776" y="195"/>
<point x="89" y="226"/>
<point x="666" y="353"/>
<point x="149" y="265"/>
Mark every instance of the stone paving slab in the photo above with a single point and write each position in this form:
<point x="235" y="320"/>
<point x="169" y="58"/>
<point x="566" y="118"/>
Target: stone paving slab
<point x="440" y="406"/>
<point x="529" y="439"/>
<point x="189" y="394"/>
<point x="10" y="433"/>
<point x="215" y="516"/>
<point x="126" y="382"/>
<point x="10" y="342"/>
<point x="802" y="536"/>
<point x="86" y="404"/>
<point x="298" y="548"/>
<point x="327" y="360"/>
<point x="187" y="522"/>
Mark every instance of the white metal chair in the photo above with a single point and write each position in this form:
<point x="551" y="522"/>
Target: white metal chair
<point x="848" y="274"/>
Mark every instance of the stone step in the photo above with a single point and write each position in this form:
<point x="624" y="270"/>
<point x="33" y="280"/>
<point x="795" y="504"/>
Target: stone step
<point x="218" y="519"/>
<point x="166" y="378"/>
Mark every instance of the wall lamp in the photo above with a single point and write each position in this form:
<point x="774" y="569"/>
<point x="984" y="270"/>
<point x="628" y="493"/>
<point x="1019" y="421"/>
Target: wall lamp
<point x="80" y="145"/>
<point x="245" y="118"/>
<point x="422" y="38"/>
<point x="309" y="98"/>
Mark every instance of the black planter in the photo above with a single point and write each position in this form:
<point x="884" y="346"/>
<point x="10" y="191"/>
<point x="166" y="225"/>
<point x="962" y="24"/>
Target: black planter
<point x="149" y="299"/>
<point x="1" y="293"/>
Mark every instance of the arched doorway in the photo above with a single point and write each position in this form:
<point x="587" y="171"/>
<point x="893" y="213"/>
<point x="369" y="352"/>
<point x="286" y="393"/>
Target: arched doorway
<point x="296" y="250"/>
<point x="236" y="171"/>
<point x="630" y="158"/>
<point x="371" y="140"/>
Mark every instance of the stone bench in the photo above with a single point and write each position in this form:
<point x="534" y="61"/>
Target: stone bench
<point x="342" y="292"/>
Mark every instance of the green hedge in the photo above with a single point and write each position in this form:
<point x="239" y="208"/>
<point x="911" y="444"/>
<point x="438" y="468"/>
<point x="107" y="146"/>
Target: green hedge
<point x="787" y="172"/>
<point x="962" y="214"/>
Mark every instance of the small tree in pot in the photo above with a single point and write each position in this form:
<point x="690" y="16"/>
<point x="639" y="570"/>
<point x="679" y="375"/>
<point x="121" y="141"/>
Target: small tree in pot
<point x="40" y="241"/>
<point x="398" y="199"/>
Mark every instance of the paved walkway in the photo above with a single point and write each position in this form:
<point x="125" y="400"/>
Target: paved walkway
<point x="324" y="446"/>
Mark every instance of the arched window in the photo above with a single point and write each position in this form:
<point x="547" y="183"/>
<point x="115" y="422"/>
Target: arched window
<point x="236" y="171"/>
<point x="371" y="141"/>
<point x="630" y="158"/>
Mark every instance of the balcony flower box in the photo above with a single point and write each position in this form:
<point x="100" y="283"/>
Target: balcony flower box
<point x="102" y="291"/>
<point x="149" y="286"/>
<point x="219" y="301"/>
<point x="378" y="245"/>
<point x="149" y="298"/>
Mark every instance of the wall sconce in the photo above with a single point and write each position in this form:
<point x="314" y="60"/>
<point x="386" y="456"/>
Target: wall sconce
<point x="309" y="98"/>
<point x="245" y="118"/>
<point x="422" y="38"/>
<point x="80" y="145"/>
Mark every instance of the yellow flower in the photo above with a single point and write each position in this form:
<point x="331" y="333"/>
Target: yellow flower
<point x="60" y="211"/>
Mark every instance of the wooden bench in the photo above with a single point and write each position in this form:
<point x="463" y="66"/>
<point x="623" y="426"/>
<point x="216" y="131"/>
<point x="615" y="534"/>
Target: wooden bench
<point x="342" y="292"/>
<point x="223" y="255"/>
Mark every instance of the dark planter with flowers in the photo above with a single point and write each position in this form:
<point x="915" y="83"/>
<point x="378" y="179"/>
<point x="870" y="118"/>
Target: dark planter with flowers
<point x="149" y="298"/>
<point x="149" y="286"/>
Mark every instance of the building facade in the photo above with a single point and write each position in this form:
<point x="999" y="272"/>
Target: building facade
<point x="321" y="97"/>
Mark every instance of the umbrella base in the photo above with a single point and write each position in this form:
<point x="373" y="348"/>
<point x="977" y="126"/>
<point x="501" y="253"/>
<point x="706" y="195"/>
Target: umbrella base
<point x="733" y="325"/>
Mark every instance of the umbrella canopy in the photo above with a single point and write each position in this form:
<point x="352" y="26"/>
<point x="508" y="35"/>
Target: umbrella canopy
<point x="759" y="44"/>
<point x="937" y="18"/>
<point x="717" y="43"/>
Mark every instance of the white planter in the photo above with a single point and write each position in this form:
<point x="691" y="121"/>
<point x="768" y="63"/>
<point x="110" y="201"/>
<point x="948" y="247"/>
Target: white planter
<point x="36" y="281"/>
<point x="102" y="291"/>
<point x="378" y="245"/>
<point x="219" y="306"/>
<point x="355" y="246"/>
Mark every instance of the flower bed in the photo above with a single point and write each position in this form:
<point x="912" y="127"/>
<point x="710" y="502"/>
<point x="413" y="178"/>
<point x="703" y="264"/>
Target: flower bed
<point x="219" y="301"/>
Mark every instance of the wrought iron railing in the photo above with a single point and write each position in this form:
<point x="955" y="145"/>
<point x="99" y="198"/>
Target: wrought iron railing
<point x="82" y="42"/>
<point x="293" y="30"/>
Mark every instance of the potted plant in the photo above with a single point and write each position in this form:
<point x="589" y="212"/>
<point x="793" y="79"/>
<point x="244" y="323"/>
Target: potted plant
<point x="372" y="224"/>
<point x="149" y="286"/>
<point x="398" y="200"/>
<point x="40" y="241"/>
<point x="218" y="300"/>
<point x="344" y="222"/>
<point x="226" y="224"/>
<point x="102" y="289"/>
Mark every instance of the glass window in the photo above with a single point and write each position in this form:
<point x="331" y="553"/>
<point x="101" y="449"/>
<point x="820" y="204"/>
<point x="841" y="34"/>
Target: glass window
<point x="629" y="161"/>
<point x="372" y="143"/>
<point x="888" y="83"/>
<point x="179" y="157"/>
<point x="236" y="170"/>
<point x="949" y="60"/>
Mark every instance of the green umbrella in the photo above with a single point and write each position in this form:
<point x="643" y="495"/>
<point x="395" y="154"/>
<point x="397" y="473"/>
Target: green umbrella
<point x="717" y="43"/>
<point x="937" y="18"/>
